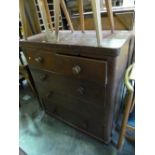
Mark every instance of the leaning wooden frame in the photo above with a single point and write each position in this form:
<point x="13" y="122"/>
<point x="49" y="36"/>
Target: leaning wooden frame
<point x="61" y="4"/>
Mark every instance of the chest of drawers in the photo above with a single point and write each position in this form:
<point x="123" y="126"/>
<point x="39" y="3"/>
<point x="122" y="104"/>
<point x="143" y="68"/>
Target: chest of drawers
<point x="78" y="82"/>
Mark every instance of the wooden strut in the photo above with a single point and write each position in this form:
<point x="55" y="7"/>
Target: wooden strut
<point x="125" y="119"/>
<point x="57" y="4"/>
<point x="29" y="18"/>
<point x="23" y="19"/>
<point x="43" y="14"/>
<point x="128" y="103"/>
<point x="110" y="14"/>
<point x="97" y="20"/>
<point x="64" y="8"/>
<point x="48" y="15"/>
<point x="57" y="14"/>
<point x="80" y="5"/>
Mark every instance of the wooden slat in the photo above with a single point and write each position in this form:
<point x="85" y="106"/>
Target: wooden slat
<point x="97" y="20"/>
<point x="26" y="30"/>
<point x="29" y="18"/>
<point x="64" y="8"/>
<point x="80" y="4"/>
<point x="34" y="16"/>
<point x="128" y="104"/>
<point x="57" y="14"/>
<point x="43" y="14"/>
<point x="48" y="14"/>
<point x="110" y="14"/>
<point x="45" y="21"/>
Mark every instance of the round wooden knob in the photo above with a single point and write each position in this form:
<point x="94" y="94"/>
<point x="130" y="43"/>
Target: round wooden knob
<point x="39" y="59"/>
<point x="81" y="90"/>
<point x="43" y="77"/>
<point x="76" y="70"/>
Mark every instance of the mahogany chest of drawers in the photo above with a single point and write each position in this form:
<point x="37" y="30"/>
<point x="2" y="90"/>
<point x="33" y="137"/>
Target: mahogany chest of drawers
<point x="78" y="82"/>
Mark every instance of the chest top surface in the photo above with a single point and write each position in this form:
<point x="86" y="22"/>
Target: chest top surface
<point x="88" y="38"/>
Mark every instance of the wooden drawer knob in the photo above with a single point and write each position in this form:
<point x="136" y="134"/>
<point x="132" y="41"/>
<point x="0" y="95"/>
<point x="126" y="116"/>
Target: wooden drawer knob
<point x="81" y="90"/>
<point x="43" y="77"/>
<point x="76" y="70"/>
<point x="39" y="59"/>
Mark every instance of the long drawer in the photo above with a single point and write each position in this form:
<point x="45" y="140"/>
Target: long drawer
<point x="79" y="113"/>
<point x="71" y="66"/>
<point x="90" y="92"/>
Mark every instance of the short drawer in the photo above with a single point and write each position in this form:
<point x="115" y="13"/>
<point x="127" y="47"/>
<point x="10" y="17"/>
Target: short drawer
<point x="87" y="91"/>
<point x="81" y="68"/>
<point x="40" y="59"/>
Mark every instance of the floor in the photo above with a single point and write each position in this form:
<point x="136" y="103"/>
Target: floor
<point x="41" y="134"/>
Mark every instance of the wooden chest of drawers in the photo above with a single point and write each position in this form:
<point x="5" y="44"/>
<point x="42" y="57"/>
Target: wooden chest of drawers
<point x="79" y="82"/>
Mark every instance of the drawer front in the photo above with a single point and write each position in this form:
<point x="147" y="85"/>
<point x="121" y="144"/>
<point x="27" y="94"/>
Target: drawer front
<point x="81" y="68"/>
<point x="40" y="59"/>
<point x="54" y="99"/>
<point x="87" y="91"/>
<point x="77" y="113"/>
<point x="77" y="67"/>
